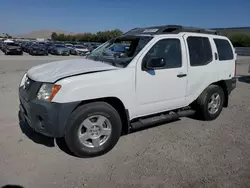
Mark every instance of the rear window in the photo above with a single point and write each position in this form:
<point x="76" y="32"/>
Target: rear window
<point x="224" y="49"/>
<point x="200" y="51"/>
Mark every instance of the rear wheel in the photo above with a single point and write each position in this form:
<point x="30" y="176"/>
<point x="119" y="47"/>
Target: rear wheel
<point x="210" y="103"/>
<point x="93" y="129"/>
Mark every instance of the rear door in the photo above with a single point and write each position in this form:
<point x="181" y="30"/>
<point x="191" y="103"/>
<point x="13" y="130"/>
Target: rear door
<point x="201" y="69"/>
<point x="226" y="58"/>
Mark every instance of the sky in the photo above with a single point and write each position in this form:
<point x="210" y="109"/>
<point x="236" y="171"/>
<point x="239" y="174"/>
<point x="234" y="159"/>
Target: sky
<point x="24" y="16"/>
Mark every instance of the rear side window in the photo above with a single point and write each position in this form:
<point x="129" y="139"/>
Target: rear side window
<point x="200" y="51"/>
<point x="224" y="49"/>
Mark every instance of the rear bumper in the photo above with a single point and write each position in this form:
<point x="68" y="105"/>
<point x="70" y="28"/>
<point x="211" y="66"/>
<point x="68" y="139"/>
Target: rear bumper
<point x="47" y="118"/>
<point x="231" y="85"/>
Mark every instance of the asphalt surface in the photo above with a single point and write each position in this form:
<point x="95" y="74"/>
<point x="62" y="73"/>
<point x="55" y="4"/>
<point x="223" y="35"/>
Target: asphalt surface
<point x="183" y="154"/>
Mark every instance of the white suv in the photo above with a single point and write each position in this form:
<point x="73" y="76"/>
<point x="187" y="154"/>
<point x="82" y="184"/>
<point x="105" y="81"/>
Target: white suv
<point x="167" y="72"/>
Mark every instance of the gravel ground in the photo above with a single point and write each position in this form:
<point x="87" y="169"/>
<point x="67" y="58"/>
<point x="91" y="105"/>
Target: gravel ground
<point x="183" y="154"/>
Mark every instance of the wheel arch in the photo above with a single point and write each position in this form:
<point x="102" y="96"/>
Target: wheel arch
<point x="118" y="105"/>
<point x="223" y="85"/>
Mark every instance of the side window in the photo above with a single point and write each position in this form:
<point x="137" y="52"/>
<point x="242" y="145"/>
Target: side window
<point x="168" y="49"/>
<point x="200" y="51"/>
<point x="224" y="49"/>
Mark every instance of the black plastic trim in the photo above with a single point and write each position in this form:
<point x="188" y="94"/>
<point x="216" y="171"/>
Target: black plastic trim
<point x="231" y="84"/>
<point x="128" y="121"/>
<point x="169" y="29"/>
<point x="181" y="75"/>
<point x="47" y="118"/>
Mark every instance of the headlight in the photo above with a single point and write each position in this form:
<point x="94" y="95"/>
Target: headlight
<point x="48" y="91"/>
<point x="23" y="79"/>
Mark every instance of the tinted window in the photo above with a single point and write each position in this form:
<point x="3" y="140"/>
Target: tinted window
<point x="200" y="51"/>
<point x="59" y="46"/>
<point x="169" y="49"/>
<point x="12" y="44"/>
<point x="224" y="49"/>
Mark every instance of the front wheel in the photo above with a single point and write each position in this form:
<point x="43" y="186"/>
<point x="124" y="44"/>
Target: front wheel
<point x="93" y="129"/>
<point x="210" y="103"/>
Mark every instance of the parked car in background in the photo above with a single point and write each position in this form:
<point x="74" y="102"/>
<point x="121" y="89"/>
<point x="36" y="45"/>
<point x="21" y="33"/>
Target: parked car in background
<point x="116" y="49"/>
<point x="12" y="48"/>
<point x="1" y="45"/>
<point x="38" y="49"/>
<point x="27" y="46"/>
<point x="59" y="49"/>
<point x="91" y="47"/>
<point x="79" y="50"/>
<point x="69" y="46"/>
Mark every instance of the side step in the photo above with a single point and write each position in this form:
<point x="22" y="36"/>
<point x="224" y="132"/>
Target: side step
<point x="162" y="118"/>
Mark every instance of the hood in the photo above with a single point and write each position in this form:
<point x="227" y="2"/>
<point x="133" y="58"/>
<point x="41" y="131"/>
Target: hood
<point x="51" y="72"/>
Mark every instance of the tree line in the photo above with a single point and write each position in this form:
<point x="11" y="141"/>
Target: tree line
<point x="238" y="39"/>
<point x="101" y="36"/>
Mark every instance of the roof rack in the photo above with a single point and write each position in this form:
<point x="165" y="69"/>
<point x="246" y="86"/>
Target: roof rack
<point x="169" y="29"/>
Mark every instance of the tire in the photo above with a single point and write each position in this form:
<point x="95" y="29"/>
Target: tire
<point x="79" y="116"/>
<point x="202" y="103"/>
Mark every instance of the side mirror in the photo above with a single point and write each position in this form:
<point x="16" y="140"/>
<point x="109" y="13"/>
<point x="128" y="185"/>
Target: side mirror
<point x="155" y="63"/>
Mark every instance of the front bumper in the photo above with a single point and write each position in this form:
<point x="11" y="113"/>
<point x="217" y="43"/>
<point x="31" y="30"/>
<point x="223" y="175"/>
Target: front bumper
<point x="47" y="118"/>
<point x="14" y="52"/>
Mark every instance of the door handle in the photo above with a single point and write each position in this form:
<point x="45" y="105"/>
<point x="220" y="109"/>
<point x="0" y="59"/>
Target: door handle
<point x="181" y="75"/>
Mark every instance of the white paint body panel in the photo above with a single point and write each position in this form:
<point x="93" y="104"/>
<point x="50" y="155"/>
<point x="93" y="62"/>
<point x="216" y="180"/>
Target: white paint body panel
<point x="200" y="77"/>
<point x="118" y="83"/>
<point x="50" y="72"/>
<point x="160" y="90"/>
<point x="141" y="92"/>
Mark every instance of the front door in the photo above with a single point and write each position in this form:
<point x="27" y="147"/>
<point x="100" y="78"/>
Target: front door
<point x="163" y="88"/>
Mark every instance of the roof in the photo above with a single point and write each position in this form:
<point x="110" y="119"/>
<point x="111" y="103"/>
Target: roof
<point x="168" y="29"/>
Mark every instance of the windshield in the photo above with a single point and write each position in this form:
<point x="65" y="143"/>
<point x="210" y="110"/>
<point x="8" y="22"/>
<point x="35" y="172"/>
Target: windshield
<point x="12" y="44"/>
<point x="120" y="51"/>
